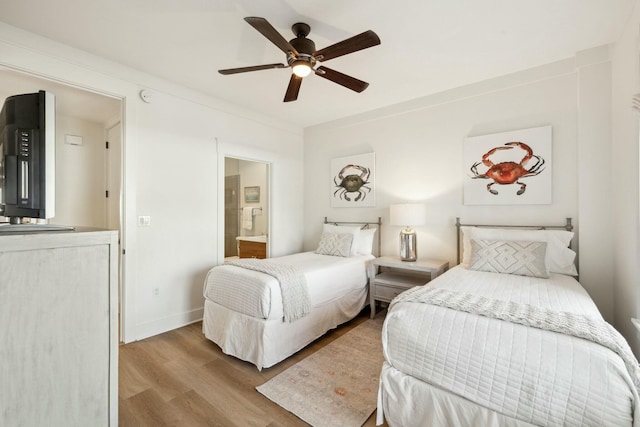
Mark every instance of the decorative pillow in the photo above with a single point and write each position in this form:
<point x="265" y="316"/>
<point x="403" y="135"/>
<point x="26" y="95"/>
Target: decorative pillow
<point x="341" y="229"/>
<point x="335" y="244"/>
<point x="511" y="257"/>
<point x="559" y="258"/>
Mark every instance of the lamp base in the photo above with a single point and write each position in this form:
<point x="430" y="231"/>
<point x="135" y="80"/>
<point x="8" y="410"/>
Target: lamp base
<point x="408" y="245"/>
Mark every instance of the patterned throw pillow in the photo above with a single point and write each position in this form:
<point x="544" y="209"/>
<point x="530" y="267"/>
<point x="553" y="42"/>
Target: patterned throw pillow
<point x="511" y="257"/>
<point x="335" y="244"/>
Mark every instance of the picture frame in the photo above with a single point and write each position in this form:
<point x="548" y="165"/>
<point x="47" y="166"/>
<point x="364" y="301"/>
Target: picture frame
<point x="252" y="194"/>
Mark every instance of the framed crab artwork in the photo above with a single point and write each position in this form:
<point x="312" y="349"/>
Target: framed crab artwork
<point x="352" y="181"/>
<point x="508" y="168"/>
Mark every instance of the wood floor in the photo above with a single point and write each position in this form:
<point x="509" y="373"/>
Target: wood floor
<point x="180" y="378"/>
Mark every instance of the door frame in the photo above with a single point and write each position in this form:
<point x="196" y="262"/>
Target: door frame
<point x="119" y="196"/>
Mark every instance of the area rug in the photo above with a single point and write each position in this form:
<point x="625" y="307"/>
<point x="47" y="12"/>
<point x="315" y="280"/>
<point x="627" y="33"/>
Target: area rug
<point x="338" y="384"/>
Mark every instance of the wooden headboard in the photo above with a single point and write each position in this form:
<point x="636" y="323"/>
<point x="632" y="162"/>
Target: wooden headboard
<point x="567" y="226"/>
<point x="363" y="225"/>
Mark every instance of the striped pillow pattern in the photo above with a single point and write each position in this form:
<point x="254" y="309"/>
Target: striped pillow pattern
<point x="510" y="257"/>
<point x="336" y="244"/>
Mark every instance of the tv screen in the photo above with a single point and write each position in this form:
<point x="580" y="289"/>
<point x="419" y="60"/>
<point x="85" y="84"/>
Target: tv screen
<point x="27" y="157"/>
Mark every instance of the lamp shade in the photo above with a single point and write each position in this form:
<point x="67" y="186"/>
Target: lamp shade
<point x="408" y="214"/>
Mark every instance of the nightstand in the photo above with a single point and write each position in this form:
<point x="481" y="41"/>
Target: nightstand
<point x="388" y="277"/>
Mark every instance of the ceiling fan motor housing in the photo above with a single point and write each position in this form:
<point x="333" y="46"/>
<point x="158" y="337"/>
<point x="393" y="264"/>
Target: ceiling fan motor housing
<point x="305" y="48"/>
<point x="303" y="45"/>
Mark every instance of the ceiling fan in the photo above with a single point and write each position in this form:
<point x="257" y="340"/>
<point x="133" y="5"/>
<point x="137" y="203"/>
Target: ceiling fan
<point x="302" y="56"/>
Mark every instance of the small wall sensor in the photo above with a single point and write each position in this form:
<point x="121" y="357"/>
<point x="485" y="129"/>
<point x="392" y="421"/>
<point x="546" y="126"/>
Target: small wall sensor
<point x="146" y="95"/>
<point x="73" y="139"/>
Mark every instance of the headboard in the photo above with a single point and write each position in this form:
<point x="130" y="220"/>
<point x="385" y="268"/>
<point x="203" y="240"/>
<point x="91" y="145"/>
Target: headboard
<point x="567" y="226"/>
<point x="363" y="225"/>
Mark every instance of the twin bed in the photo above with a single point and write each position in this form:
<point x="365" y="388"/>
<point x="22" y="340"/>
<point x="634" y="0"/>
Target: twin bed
<point x="451" y="359"/>
<point x="245" y="313"/>
<point x="506" y="338"/>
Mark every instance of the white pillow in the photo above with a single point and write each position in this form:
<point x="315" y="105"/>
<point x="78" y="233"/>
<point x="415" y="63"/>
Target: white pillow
<point x="335" y="244"/>
<point x="510" y="257"/>
<point x="365" y="241"/>
<point x="340" y="229"/>
<point x="563" y="259"/>
<point x="559" y="258"/>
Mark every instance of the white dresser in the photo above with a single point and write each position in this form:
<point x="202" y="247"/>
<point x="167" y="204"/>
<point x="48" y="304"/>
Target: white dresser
<point x="59" y="329"/>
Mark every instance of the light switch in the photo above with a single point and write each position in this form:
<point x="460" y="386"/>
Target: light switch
<point x="144" y="221"/>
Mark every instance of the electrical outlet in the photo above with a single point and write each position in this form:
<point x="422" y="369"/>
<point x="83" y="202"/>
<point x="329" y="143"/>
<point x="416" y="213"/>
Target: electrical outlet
<point x="156" y="291"/>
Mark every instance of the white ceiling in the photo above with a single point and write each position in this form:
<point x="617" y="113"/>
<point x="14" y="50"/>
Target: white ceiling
<point x="427" y="45"/>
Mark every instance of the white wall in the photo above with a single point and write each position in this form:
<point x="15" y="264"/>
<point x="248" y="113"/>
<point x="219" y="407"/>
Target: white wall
<point x="80" y="174"/>
<point x="177" y="178"/>
<point x="624" y="167"/>
<point x="595" y="183"/>
<point x="174" y="148"/>
<point x="419" y="147"/>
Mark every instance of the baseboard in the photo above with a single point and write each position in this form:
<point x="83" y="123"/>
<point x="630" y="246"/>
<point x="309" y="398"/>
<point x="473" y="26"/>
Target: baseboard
<point x="156" y="327"/>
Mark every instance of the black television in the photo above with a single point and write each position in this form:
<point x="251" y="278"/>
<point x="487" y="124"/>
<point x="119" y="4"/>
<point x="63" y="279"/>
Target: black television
<point x="27" y="157"/>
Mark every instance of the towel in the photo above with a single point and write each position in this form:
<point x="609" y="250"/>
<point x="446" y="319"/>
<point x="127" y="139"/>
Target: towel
<point x="247" y="218"/>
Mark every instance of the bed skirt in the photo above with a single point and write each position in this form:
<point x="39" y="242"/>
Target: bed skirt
<point x="405" y="401"/>
<point x="265" y="342"/>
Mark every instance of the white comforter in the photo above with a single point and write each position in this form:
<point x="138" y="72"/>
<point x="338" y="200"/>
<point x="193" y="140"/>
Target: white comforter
<point x="536" y="376"/>
<point x="258" y="295"/>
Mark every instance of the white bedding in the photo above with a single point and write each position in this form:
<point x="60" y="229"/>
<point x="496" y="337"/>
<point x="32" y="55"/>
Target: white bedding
<point x="523" y="374"/>
<point x="246" y="321"/>
<point x="257" y="294"/>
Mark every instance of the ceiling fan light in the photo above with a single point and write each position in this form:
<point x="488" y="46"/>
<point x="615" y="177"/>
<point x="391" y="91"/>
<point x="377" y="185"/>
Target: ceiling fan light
<point x="301" y="68"/>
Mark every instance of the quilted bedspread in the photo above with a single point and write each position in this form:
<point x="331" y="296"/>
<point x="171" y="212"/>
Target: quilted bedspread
<point x="530" y="374"/>
<point x="259" y="295"/>
<point x="293" y="285"/>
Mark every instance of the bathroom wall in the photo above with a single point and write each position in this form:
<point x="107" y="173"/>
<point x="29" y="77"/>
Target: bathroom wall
<point x="255" y="174"/>
<point x="252" y="174"/>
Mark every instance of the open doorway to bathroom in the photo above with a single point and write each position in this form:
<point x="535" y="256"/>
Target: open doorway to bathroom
<point x="246" y="210"/>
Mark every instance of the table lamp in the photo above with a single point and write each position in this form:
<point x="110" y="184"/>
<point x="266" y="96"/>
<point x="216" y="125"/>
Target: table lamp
<point x="408" y="215"/>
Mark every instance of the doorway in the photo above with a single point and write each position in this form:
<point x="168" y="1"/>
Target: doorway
<point x="82" y="121"/>
<point x="246" y="208"/>
<point x="89" y="180"/>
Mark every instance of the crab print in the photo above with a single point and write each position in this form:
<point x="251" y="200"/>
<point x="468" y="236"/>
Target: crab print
<point x="509" y="172"/>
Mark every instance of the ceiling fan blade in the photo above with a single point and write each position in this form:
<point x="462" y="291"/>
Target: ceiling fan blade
<point x="293" y="88"/>
<point x="353" y="44"/>
<point x="342" y="79"/>
<point x="253" y="68"/>
<point x="267" y="30"/>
